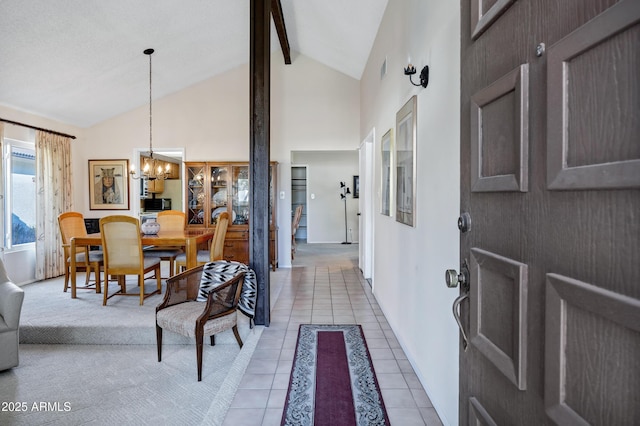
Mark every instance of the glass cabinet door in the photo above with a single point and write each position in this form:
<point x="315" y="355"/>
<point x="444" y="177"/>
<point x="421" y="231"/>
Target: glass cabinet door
<point x="240" y="199"/>
<point x="195" y="194"/>
<point x="219" y="196"/>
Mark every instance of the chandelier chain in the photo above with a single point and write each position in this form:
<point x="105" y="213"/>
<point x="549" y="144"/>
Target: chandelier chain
<point x="150" y="113"/>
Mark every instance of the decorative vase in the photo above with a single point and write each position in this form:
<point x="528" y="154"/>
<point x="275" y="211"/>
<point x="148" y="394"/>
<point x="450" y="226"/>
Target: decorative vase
<point x="150" y="227"/>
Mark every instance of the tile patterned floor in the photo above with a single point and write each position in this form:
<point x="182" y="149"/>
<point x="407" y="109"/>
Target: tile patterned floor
<point x="325" y="289"/>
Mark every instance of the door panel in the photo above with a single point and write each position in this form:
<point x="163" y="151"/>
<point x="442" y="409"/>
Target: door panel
<point x="500" y="134"/>
<point x="478" y="415"/>
<point x="499" y="313"/>
<point x="550" y="172"/>
<point x="590" y="72"/>
<point x="588" y="330"/>
<point x="485" y="12"/>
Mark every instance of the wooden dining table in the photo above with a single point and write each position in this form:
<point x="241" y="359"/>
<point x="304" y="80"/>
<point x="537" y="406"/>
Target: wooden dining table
<point x="190" y="239"/>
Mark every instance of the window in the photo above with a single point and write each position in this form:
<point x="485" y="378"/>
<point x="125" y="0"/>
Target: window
<point x="20" y="189"/>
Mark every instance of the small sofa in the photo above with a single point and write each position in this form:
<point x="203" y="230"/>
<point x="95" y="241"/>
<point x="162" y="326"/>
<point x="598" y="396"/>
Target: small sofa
<point x="11" y="297"/>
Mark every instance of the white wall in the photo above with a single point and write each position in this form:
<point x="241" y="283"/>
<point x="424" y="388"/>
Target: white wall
<point x="312" y="106"/>
<point x="325" y="209"/>
<point x="409" y="262"/>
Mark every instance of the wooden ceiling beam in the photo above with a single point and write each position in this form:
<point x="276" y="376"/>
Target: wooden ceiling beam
<point x="281" y="29"/>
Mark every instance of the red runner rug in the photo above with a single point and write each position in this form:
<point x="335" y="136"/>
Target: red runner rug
<point x="332" y="380"/>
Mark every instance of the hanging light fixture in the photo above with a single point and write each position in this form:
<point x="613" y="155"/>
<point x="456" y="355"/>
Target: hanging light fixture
<point x="152" y="169"/>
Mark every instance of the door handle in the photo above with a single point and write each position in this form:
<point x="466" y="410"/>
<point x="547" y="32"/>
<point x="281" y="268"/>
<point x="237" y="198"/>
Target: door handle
<point x="456" y="315"/>
<point x="453" y="278"/>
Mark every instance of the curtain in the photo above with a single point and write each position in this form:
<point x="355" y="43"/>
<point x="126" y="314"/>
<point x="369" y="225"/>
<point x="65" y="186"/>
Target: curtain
<point x="53" y="196"/>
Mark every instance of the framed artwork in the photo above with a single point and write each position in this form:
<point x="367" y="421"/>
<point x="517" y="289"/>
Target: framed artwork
<point x="386" y="145"/>
<point x="356" y="187"/>
<point x="406" y="129"/>
<point x="109" y="184"/>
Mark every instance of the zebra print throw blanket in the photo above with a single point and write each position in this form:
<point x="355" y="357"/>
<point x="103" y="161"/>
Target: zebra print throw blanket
<point x="220" y="271"/>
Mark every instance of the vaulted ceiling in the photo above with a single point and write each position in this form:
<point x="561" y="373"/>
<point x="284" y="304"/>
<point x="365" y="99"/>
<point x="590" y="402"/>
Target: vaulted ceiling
<point x="81" y="62"/>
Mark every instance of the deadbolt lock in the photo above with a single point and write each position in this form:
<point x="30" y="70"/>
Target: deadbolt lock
<point x="464" y="222"/>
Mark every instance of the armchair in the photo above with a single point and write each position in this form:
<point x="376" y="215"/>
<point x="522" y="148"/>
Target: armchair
<point x="11" y="297"/>
<point x="180" y="313"/>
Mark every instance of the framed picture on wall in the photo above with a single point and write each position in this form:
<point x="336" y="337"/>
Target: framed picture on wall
<point x="406" y="128"/>
<point x="386" y="145"/>
<point x="109" y="184"/>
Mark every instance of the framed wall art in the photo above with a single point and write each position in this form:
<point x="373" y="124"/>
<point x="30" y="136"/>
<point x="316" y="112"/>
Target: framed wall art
<point x="406" y="129"/>
<point x="109" y="184"/>
<point x="386" y="145"/>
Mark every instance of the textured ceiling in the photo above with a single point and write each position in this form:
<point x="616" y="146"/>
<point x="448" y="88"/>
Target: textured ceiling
<point x="81" y="62"/>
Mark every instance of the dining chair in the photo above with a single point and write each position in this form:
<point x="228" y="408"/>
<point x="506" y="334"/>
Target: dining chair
<point x="294" y="228"/>
<point x="181" y="311"/>
<point x="216" y="251"/>
<point x="169" y="220"/>
<point x="123" y="256"/>
<point x="72" y="225"/>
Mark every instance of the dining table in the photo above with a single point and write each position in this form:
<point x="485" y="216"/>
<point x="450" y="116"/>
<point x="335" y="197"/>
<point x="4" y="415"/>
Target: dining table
<point x="190" y="239"/>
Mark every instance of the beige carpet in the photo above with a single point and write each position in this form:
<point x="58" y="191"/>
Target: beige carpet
<point x="50" y="316"/>
<point x="84" y="363"/>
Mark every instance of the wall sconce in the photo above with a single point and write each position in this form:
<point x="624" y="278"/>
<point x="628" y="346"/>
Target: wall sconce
<point x="424" y="75"/>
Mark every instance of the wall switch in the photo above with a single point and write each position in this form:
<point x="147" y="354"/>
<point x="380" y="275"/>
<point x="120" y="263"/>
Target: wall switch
<point x="313" y="196"/>
<point x="282" y="195"/>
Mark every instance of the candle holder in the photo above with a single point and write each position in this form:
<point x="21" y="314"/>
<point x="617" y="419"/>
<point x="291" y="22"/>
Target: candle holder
<point x="424" y="75"/>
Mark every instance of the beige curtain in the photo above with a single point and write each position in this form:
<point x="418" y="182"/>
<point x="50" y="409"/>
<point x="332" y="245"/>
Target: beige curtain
<point x="53" y="196"/>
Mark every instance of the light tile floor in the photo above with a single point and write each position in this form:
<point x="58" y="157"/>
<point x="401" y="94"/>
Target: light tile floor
<point x="325" y="289"/>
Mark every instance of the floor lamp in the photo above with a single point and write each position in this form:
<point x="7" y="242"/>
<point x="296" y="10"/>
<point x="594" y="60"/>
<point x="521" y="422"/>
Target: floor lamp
<point x="343" y="195"/>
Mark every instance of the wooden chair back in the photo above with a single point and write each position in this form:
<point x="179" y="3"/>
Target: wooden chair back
<point x="122" y="245"/>
<point x="217" y="244"/>
<point x="171" y="220"/>
<point x="71" y="225"/>
<point x="296" y="220"/>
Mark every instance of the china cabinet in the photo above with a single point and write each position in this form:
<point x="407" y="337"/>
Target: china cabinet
<point x="214" y="187"/>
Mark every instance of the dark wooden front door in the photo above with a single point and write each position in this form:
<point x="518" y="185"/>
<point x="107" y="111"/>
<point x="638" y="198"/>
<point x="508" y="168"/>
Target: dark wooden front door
<point x="550" y="152"/>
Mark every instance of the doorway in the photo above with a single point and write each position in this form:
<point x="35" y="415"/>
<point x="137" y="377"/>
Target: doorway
<point x="299" y="198"/>
<point x="172" y="188"/>
<point x="365" y="208"/>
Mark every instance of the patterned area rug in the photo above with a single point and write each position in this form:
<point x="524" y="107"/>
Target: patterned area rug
<point x="332" y="380"/>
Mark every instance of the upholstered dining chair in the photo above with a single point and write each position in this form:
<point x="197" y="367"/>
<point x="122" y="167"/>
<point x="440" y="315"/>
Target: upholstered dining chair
<point x="181" y="311"/>
<point x="216" y="251"/>
<point x="295" y="224"/>
<point x="72" y="225"/>
<point x="169" y="220"/>
<point x="123" y="256"/>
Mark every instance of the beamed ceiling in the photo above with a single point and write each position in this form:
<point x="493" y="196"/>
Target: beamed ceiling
<point x="81" y="62"/>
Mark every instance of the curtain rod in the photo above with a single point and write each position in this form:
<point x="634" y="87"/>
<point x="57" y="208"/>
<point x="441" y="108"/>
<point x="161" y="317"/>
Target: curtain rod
<point x="37" y="128"/>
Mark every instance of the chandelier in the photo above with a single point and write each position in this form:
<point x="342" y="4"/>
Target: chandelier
<point x="152" y="169"/>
